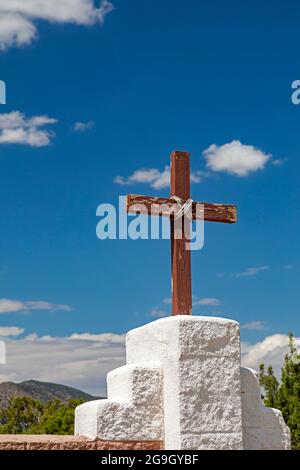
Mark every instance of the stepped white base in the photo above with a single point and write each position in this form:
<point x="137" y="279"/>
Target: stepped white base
<point x="183" y="384"/>
<point x="133" y="411"/>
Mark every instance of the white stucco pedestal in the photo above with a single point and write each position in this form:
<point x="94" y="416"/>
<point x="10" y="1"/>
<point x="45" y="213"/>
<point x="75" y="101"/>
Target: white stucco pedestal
<point x="183" y="385"/>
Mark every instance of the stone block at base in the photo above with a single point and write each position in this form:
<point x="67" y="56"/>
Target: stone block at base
<point x="200" y="360"/>
<point x="183" y="385"/>
<point x="133" y="410"/>
<point x="263" y="428"/>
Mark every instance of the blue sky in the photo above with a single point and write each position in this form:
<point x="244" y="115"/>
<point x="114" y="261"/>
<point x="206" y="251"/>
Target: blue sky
<point x="150" y="77"/>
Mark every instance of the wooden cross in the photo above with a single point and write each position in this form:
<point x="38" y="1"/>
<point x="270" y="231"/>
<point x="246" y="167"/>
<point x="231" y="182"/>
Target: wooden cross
<point x="181" y="257"/>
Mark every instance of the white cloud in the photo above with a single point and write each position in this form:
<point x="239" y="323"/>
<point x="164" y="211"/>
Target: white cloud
<point x="235" y="158"/>
<point x="287" y="267"/>
<point x="158" y="313"/>
<point x="255" y="325"/>
<point x="155" y="178"/>
<point x="15" y="30"/>
<point x="16" y="128"/>
<point x="102" y="337"/>
<point x="210" y="301"/>
<point x="271" y="351"/>
<point x="251" y="271"/>
<point x="14" y="306"/>
<point x="18" y="17"/>
<point x="279" y="161"/>
<point x="120" y="180"/>
<point x="6" y="331"/>
<point x="207" y="301"/>
<point x="83" y="126"/>
<point x="16" y="119"/>
<point x="162" y="180"/>
<point x="79" y="360"/>
<point x="150" y="176"/>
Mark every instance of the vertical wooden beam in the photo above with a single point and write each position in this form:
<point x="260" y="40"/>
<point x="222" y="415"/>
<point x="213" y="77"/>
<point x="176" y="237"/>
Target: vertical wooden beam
<point x="181" y="258"/>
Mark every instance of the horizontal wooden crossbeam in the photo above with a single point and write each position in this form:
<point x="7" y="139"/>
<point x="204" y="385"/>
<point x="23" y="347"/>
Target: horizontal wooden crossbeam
<point x="224" y="213"/>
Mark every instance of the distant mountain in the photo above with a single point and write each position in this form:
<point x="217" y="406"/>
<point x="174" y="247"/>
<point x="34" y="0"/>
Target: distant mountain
<point x="42" y="391"/>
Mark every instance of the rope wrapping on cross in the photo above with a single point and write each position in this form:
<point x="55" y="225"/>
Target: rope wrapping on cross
<point x="184" y="207"/>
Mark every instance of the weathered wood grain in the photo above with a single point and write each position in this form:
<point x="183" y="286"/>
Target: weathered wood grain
<point x="224" y="213"/>
<point x="181" y="257"/>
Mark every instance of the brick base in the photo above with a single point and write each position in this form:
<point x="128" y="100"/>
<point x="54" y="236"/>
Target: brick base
<point x="49" y="442"/>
